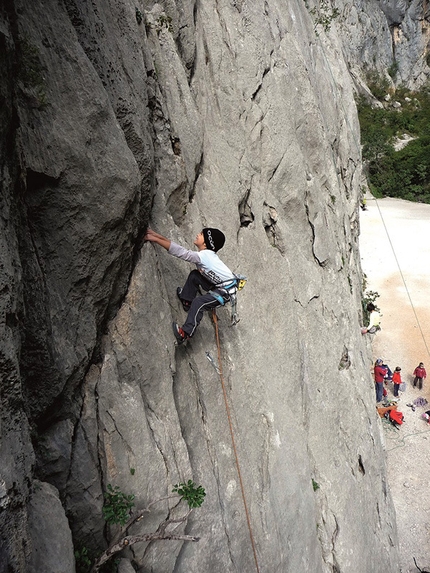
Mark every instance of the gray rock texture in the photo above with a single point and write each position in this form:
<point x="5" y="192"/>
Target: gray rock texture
<point x="16" y="452"/>
<point x="51" y="538"/>
<point x="183" y="114"/>
<point x="390" y="38"/>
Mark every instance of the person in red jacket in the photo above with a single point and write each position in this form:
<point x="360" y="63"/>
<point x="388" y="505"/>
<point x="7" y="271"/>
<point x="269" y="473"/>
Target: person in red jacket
<point x="379" y="373"/>
<point x="397" y="380"/>
<point x="419" y="375"/>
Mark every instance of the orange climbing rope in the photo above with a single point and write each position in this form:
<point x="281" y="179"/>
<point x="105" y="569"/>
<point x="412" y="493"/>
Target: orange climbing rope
<point x="215" y="319"/>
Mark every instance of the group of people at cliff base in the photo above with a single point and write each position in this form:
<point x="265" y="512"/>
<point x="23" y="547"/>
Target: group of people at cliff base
<point x="383" y="374"/>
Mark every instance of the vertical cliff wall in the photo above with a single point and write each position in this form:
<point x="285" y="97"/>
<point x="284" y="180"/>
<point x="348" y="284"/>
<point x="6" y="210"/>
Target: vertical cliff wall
<point x="185" y="114"/>
<point x="391" y="38"/>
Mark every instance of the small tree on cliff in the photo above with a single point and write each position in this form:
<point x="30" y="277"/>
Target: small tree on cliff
<point x="117" y="510"/>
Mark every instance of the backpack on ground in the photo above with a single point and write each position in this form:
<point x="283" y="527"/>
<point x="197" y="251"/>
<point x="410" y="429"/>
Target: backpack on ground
<point x="396" y="418"/>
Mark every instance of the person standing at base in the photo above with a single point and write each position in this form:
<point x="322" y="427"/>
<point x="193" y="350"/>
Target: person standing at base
<point x="212" y="275"/>
<point x="397" y="380"/>
<point x="419" y="375"/>
<point x="379" y="373"/>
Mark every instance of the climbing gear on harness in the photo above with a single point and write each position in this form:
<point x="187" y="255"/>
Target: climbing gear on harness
<point x="237" y="283"/>
<point x="227" y="291"/>
<point x="241" y="281"/>
<point x="234" y="316"/>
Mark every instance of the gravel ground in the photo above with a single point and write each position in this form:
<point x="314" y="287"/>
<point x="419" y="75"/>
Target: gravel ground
<point x="395" y="251"/>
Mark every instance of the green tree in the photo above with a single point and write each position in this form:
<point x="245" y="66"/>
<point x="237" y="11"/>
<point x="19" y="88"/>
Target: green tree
<point x="192" y="494"/>
<point x="117" y="506"/>
<point x="117" y="511"/>
<point x="404" y="173"/>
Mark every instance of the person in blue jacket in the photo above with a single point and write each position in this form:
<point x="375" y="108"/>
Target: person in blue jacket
<point x="212" y="275"/>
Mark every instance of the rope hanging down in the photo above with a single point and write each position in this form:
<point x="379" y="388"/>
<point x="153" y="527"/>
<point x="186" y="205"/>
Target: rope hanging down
<point x="357" y="143"/>
<point x="403" y="278"/>
<point x="215" y="319"/>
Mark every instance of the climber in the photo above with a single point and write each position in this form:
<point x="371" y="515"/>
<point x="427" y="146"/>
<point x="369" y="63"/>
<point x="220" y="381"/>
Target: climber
<point x="374" y="320"/>
<point x="212" y="275"/>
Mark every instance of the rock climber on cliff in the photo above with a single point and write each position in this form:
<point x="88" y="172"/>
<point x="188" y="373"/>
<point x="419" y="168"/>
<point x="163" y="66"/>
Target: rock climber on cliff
<point x="212" y="275"/>
<point x="374" y="320"/>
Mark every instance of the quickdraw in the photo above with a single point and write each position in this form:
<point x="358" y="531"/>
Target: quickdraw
<point x="227" y="291"/>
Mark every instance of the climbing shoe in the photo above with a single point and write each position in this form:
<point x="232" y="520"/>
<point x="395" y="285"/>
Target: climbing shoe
<point x="180" y="335"/>
<point x="185" y="303"/>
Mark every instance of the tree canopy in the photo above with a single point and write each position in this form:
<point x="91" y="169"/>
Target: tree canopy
<point x="404" y="173"/>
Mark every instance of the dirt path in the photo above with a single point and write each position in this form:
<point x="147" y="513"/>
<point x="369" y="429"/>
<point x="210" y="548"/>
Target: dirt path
<point x="395" y="251"/>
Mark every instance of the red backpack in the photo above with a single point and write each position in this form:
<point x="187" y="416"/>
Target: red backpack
<point x="396" y="417"/>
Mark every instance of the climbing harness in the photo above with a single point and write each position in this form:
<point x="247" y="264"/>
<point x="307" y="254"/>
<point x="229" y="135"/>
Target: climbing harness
<point x="374" y="329"/>
<point x="220" y="298"/>
<point x="215" y="320"/>
<point x="227" y="291"/>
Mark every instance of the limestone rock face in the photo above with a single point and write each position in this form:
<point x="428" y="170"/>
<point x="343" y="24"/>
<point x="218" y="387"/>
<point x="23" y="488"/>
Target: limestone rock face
<point x="188" y="114"/>
<point x="388" y="37"/>
<point x="77" y="261"/>
<point x="51" y="547"/>
<point x="16" y="452"/>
